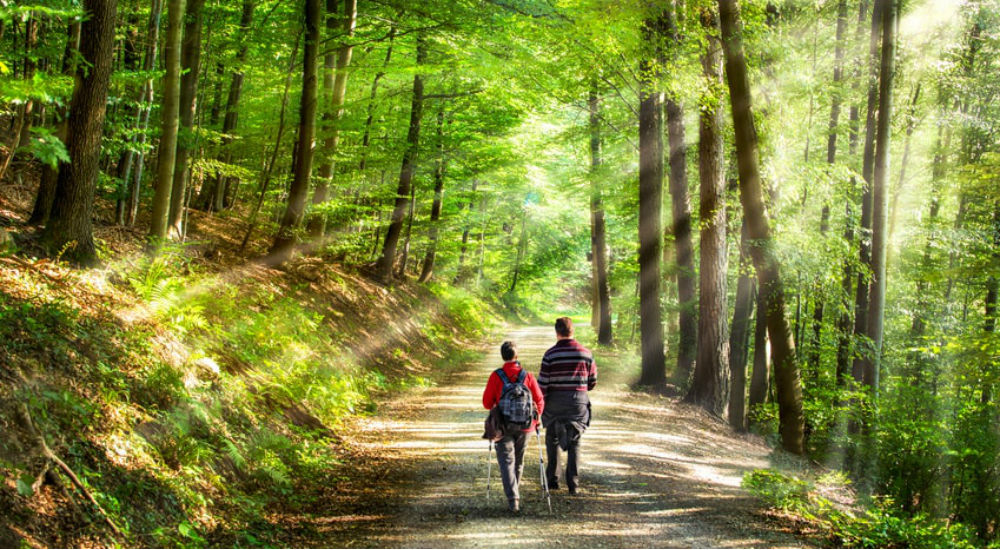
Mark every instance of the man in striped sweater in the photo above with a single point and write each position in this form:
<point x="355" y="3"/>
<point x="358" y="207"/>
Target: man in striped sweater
<point x="568" y="372"/>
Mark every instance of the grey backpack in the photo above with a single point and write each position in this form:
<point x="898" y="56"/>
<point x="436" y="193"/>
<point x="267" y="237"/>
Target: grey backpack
<point x="516" y="404"/>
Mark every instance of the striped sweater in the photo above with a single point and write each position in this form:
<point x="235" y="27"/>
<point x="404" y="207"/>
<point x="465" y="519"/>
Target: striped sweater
<point x="567" y="366"/>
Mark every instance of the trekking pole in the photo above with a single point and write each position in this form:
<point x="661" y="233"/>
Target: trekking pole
<point x="541" y="469"/>
<point x="489" y="469"/>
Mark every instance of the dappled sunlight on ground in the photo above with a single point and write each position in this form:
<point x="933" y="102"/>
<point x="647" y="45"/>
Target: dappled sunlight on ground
<point x="654" y="473"/>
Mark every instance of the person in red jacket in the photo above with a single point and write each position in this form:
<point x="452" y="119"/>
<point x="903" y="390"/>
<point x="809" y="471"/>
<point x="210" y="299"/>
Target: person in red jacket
<point x="510" y="448"/>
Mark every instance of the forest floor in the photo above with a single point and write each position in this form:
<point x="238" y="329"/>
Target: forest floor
<point x="654" y="473"/>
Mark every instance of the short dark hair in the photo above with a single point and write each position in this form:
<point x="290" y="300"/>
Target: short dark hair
<point x="564" y="326"/>
<point x="508" y="350"/>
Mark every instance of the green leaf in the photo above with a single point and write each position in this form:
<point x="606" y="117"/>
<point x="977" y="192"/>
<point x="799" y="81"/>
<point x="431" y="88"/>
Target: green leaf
<point x="24" y="486"/>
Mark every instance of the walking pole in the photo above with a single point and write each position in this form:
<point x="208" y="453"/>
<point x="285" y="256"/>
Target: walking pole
<point x="541" y="469"/>
<point x="489" y="469"/>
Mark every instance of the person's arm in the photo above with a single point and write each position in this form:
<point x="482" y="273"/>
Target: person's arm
<point x="592" y="375"/>
<point x="492" y="392"/>
<point x="536" y="394"/>
<point x="543" y="376"/>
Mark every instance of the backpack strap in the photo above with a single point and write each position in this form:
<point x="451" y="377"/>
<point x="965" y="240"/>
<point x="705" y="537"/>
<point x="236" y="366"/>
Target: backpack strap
<point x="503" y="377"/>
<point x="520" y="377"/>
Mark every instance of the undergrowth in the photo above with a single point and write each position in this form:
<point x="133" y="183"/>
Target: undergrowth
<point x="193" y="405"/>
<point x="878" y="524"/>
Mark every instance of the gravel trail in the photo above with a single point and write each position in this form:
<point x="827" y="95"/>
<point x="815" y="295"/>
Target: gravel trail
<point x="654" y="473"/>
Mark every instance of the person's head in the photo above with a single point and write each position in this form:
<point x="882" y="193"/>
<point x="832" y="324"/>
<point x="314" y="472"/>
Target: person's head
<point x="564" y="328"/>
<point x="508" y="351"/>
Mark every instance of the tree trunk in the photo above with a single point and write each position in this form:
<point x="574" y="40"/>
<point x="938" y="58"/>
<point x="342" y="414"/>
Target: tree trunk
<point x="148" y="63"/>
<point x="191" y="65"/>
<point x="284" y="242"/>
<point x="861" y="301"/>
<point x="428" y="266"/>
<point x="911" y="124"/>
<point x="710" y="385"/>
<point x="335" y="89"/>
<point x="687" y="320"/>
<point x="598" y="232"/>
<point x="70" y="226"/>
<point x="384" y="266"/>
<point x="786" y="368"/>
<point x="127" y="156"/>
<point x="650" y="221"/>
<point x="522" y="248"/>
<point x="761" y="379"/>
<point x="739" y="335"/>
<point x="876" y="307"/>
<point x="460" y="273"/>
<point x="170" y="112"/>
<point x="405" y="255"/>
<point x="50" y="174"/>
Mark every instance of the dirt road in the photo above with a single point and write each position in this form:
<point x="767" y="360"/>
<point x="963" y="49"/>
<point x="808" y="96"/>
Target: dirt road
<point x="655" y="473"/>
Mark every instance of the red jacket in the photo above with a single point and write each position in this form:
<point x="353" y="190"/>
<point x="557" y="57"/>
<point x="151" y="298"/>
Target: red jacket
<point x="494" y="387"/>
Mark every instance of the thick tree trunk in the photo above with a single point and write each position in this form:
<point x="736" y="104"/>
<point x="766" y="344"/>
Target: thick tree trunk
<point x="786" y="368"/>
<point x="432" y="235"/>
<point x="876" y="307"/>
<point x="50" y="174"/>
<point x="650" y="221"/>
<point x="284" y="242"/>
<point x="170" y="112"/>
<point x="598" y="232"/>
<point x="191" y="66"/>
<point x="384" y="266"/>
<point x="70" y="224"/>
<point x="687" y="320"/>
<point x="739" y="336"/>
<point x="710" y="385"/>
<point x="335" y="88"/>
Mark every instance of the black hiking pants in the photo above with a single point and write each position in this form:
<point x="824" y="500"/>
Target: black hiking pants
<point x="510" y="458"/>
<point x="552" y="436"/>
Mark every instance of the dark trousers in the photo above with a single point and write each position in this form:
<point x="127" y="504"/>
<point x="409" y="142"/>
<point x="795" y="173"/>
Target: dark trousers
<point x="572" y="456"/>
<point x="510" y="457"/>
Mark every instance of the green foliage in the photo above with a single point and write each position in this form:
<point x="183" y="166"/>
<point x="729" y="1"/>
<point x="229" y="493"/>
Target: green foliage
<point x="879" y="525"/>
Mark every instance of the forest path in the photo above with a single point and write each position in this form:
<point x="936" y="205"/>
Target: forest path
<point x="654" y="473"/>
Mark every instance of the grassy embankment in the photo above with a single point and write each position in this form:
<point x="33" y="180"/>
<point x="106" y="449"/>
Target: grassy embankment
<point x="196" y="405"/>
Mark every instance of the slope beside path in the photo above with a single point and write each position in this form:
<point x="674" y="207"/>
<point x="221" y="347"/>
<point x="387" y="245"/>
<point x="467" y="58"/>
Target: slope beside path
<point x="655" y="473"/>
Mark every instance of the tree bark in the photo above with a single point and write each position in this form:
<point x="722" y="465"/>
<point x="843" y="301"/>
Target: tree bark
<point x="405" y="255"/>
<point x="911" y="125"/>
<point x="384" y="266"/>
<point x="687" y="320"/>
<point x="284" y="242"/>
<point x="786" y="368"/>
<point x="70" y="226"/>
<point x="522" y="248"/>
<point x="710" y="384"/>
<point x="191" y="66"/>
<point x="876" y="307"/>
<point x="428" y="266"/>
<point x="761" y="379"/>
<point x="170" y="112"/>
<point x="49" y="175"/>
<point x="460" y="273"/>
<point x="861" y="301"/>
<point x="335" y="88"/>
<point x="650" y="221"/>
<point x="739" y="335"/>
<point x="598" y="231"/>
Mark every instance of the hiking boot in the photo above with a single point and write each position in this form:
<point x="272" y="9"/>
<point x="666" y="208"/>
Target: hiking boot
<point x="573" y="491"/>
<point x="514" y="506"/>
<point x="553" y="486"/>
